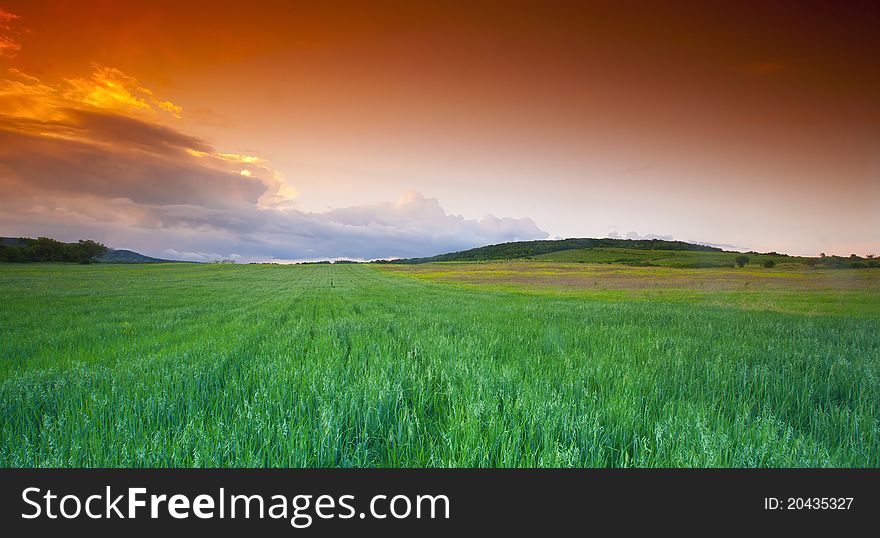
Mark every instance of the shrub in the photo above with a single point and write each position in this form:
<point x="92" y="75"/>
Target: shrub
<point x="769" y="264"/>
<point x="741" y="260"/>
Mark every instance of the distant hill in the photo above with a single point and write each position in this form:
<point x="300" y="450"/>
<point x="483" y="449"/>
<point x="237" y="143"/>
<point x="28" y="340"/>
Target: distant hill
<point x="127" y="256"/>
<point x="664" y="258"/>
<point x="43" y="249"/>
<point x="528" y="249"/>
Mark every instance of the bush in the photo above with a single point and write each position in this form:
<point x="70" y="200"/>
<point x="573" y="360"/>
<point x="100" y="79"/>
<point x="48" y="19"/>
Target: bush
<point x="741" y="260"/>
<point x="769" y="264"/>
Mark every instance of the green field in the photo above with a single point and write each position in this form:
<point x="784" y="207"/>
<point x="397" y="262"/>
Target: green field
<point x="662" y="258"/>
<point x="500" y="364"/>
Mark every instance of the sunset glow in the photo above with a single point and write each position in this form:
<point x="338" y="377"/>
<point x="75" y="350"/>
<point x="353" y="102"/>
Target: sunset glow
<point x="393" y="129"/>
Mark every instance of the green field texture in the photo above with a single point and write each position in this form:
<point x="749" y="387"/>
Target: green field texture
<point x="793" y="288"/>
<point x="662" y="258"/>
<point x="361" y="365"/>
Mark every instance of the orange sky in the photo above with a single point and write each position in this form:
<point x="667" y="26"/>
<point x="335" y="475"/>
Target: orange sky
<point x="755" y="125"/>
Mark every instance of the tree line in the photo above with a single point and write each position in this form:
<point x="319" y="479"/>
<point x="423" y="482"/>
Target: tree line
<point x="45" y="249"/>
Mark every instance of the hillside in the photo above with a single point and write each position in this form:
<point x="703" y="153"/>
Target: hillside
<point x="128" y="256"/>
<point x="528" y="249"/>
<point x="638" y="252"/>
<point x="662" y="258"/>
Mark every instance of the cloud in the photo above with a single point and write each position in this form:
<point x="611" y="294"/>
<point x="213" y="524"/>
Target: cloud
<point x="635" y="235"/>
<point x="613" y="234"/>
<point x="116" y="157"/>
<point x="8" y="32"/>
<point x="725" y="246"/>
<point x="91" y="163"/>
<point x="111" y="89"/>
<point x="106" y="89"/>
<point x="414" y="226"/>
<point x="203" y="257"/>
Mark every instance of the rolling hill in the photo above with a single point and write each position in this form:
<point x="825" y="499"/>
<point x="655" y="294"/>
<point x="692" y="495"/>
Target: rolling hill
<point x="663" y="257"/>
<point x="635" y="252"/>
<point x="531" y="249"/>
<point x="128" y="256"/>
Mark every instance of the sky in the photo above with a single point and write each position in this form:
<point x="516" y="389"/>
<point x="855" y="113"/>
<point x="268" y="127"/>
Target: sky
<point x="295" y="131"/>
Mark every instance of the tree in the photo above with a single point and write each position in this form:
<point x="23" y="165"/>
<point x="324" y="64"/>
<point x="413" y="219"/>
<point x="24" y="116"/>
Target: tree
<point x="742" y="260"/>
<point x="769" y="264"/>
<point x="44" y="249"/>
<point x="86" y="251"/>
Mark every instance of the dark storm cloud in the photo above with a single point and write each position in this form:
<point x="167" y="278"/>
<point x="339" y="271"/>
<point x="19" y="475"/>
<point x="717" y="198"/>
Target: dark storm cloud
<point x="134" y="133"/>
<point x="121" y="165"/>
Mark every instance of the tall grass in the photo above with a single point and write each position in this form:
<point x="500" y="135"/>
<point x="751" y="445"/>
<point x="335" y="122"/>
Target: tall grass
<point x="187" y="365"/>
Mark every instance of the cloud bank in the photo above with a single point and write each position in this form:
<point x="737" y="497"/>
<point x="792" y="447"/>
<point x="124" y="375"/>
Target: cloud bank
<point x="614" y="234"/>
<point x="88" y="159"/>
